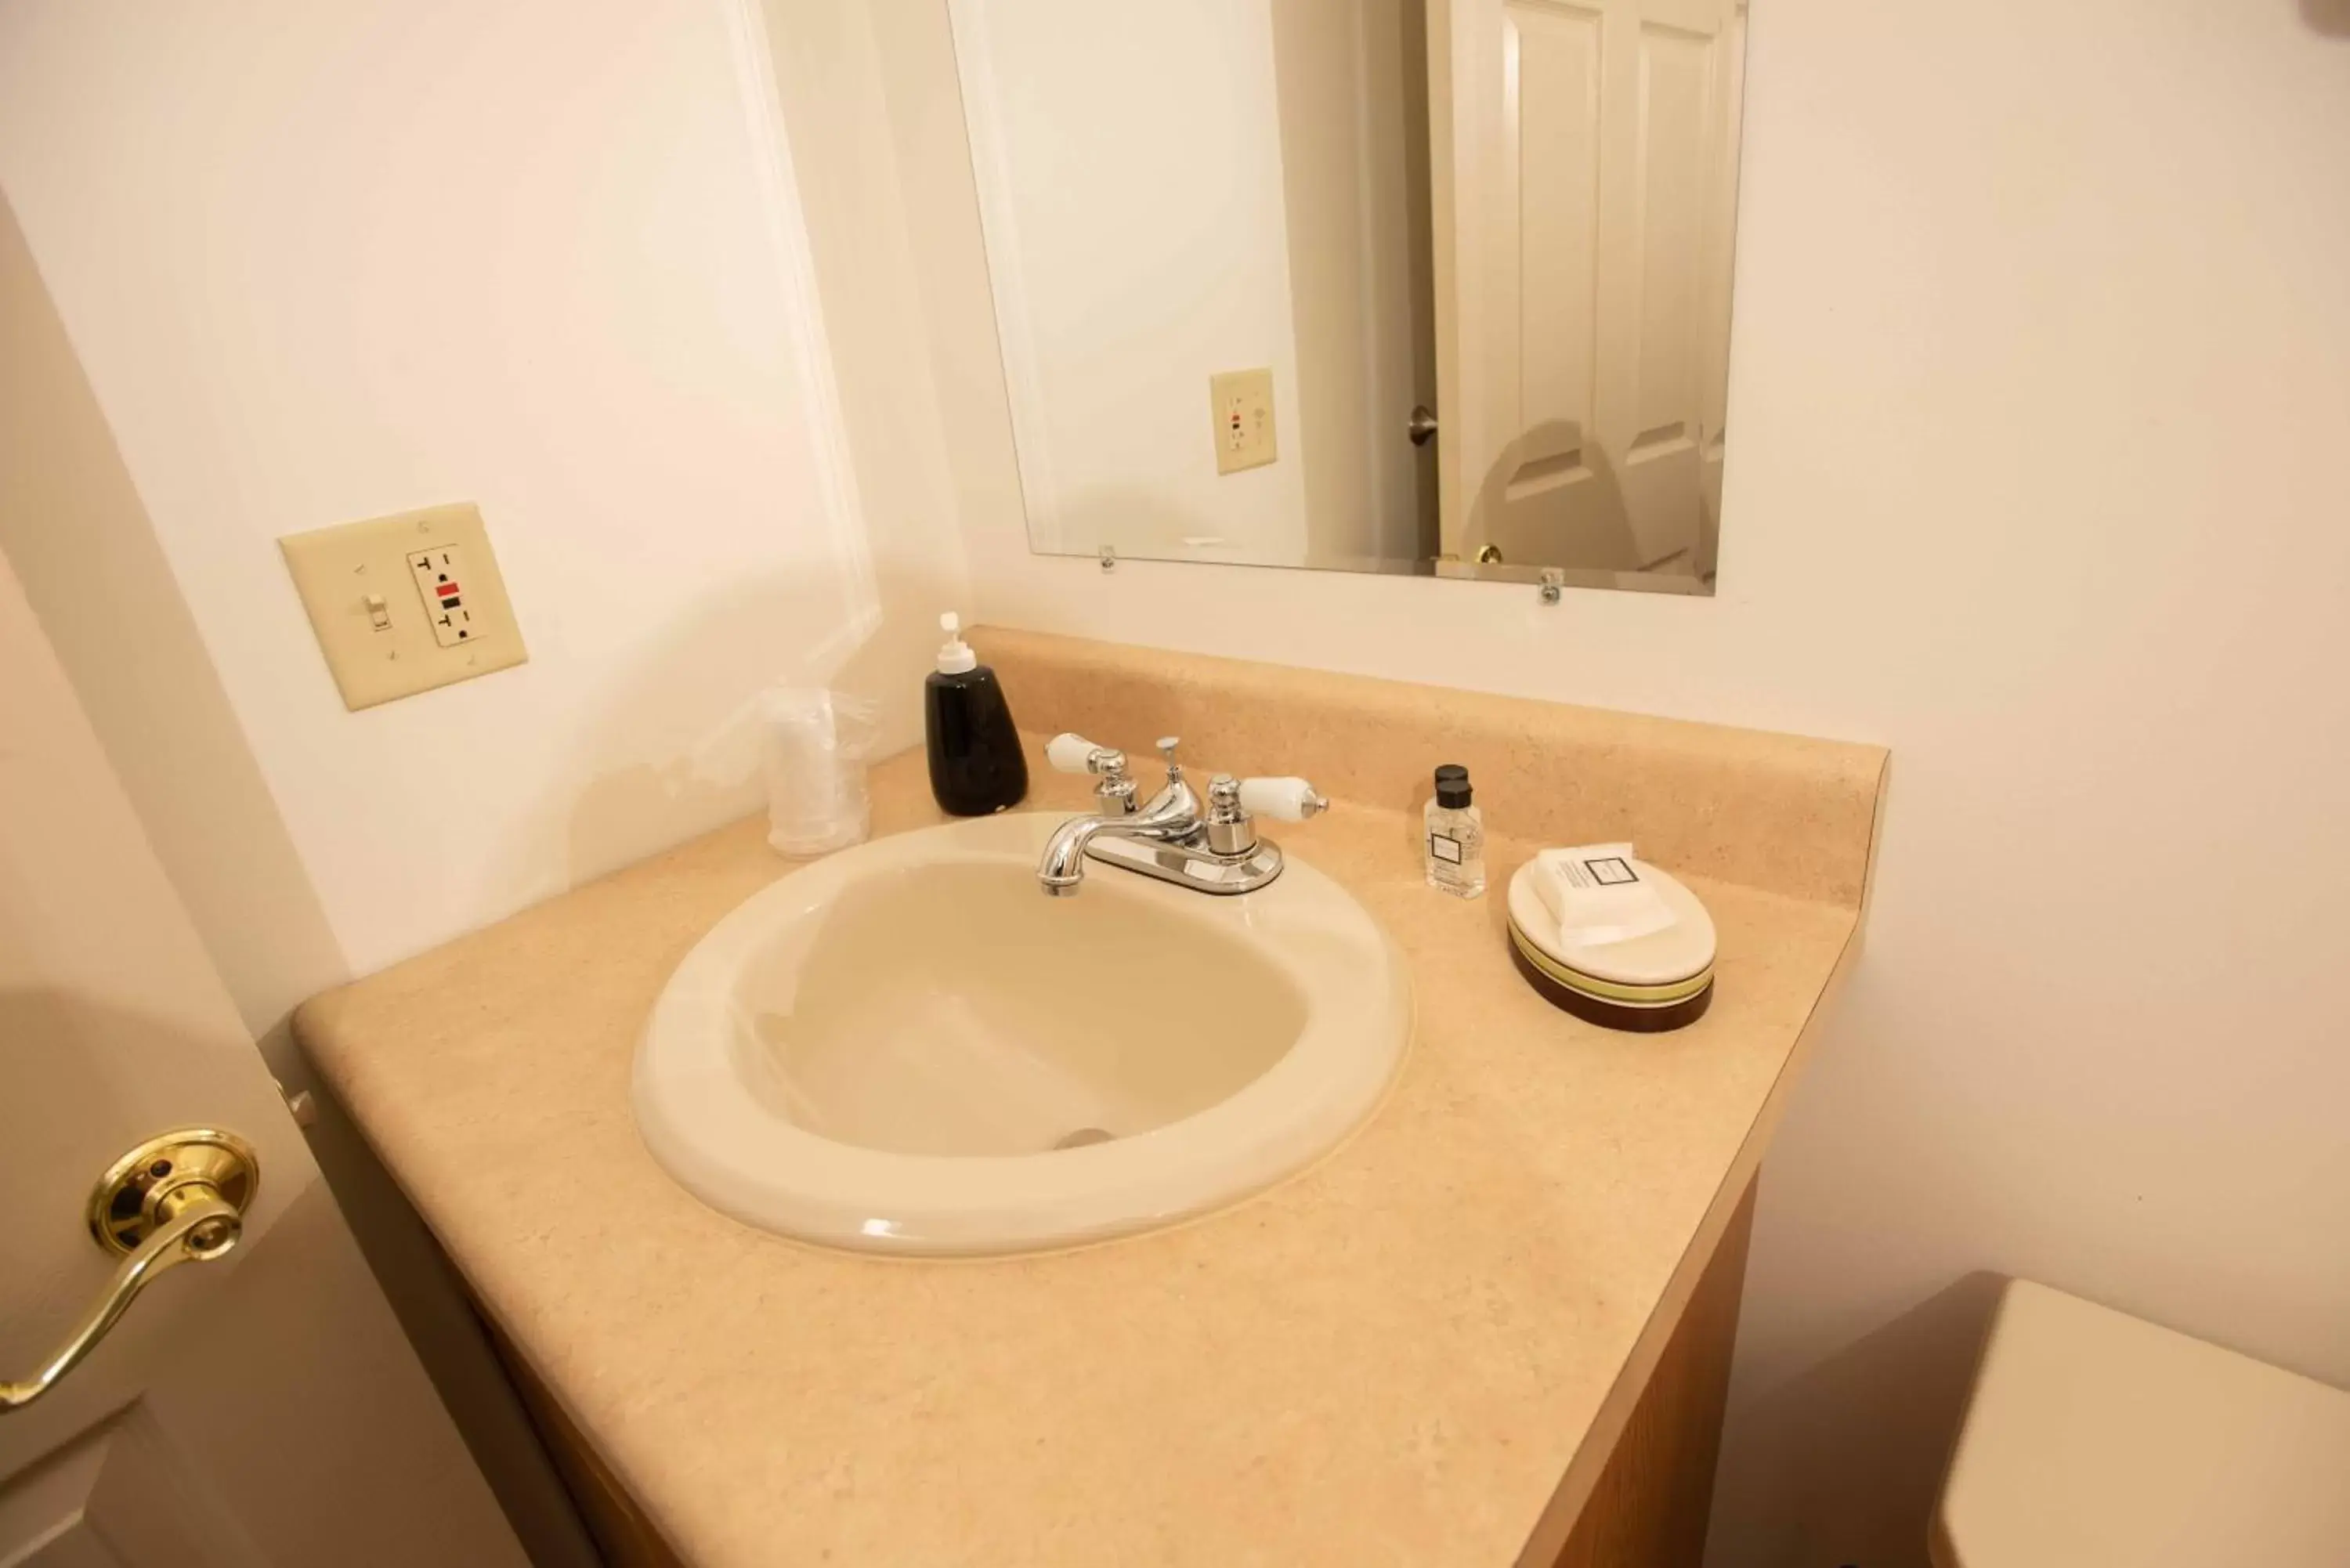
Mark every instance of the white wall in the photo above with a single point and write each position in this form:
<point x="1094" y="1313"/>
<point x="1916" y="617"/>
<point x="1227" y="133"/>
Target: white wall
<point x="1134" y="260"/>
<point x="2039" y="388"/>
<point x="324" y="263"/>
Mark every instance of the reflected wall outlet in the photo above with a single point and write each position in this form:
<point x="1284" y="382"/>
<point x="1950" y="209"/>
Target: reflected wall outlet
<point x="405" y="602"/>
<point x="1240" y="402"/>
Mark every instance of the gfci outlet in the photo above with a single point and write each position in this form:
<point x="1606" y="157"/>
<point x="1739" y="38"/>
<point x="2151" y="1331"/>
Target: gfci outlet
<point x="1241" y="404"/>
<point x="441" y="585"/>
<point x="405" y="602"/>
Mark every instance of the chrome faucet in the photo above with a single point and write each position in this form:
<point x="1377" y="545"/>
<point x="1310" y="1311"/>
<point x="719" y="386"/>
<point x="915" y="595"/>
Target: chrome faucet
<point x="1210" y="849"/>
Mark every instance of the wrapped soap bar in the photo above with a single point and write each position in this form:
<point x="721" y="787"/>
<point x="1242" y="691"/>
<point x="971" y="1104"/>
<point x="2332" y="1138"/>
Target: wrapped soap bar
<point x="1597" y="895"/>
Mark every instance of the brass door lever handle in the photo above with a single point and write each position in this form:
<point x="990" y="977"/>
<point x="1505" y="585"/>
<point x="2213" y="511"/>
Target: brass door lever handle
<point x="178" y="1198"/>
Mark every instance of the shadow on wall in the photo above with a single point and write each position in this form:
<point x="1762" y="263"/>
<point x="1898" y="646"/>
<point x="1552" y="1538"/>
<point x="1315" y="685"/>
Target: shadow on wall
<point x="2329" y="18"/>
<point x="1843" y="1463"/>
<point x="73" y="525"/>
<point x="687" y="700"/>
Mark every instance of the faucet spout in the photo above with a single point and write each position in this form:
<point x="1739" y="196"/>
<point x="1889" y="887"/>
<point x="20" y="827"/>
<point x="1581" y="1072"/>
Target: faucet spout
<point x="1063" y="867"/>
<point x="1174" y="815"/>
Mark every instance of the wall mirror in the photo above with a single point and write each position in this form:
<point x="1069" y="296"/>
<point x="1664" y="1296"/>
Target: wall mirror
<point x="1434" y="286"/>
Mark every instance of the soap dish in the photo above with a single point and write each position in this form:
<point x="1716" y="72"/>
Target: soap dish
<point x="1648" y="984"/>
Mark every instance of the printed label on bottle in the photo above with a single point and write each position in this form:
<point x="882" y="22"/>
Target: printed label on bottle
<point x="1443" y="849"/>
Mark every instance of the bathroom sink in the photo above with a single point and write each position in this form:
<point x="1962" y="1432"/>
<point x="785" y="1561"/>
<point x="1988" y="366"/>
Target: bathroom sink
<point x="906" y="1047"/>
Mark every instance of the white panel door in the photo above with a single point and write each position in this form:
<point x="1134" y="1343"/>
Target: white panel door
<point x="261" y="1408"/>
<point x="1584" y="185"/>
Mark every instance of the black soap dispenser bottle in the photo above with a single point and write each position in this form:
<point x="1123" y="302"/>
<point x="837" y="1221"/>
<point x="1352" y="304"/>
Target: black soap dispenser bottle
<point x="976" y="766"/>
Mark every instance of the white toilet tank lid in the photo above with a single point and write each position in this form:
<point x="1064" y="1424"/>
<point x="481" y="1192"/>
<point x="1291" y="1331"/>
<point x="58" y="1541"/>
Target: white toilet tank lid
<point x="2093" y="1439"/>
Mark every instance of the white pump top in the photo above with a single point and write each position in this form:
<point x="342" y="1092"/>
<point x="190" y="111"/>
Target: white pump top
<point x="956" y="657"/>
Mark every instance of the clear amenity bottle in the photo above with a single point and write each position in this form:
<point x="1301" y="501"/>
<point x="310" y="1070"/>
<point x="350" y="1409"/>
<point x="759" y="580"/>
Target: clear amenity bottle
<point x="1455" y="846"/>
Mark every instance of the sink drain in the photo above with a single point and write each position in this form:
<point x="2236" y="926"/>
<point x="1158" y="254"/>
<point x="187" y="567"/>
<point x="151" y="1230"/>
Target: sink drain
<point x="1084" y="1135"/>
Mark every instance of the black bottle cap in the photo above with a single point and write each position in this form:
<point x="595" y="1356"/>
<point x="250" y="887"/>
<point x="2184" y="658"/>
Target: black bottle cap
<point x="1452" y="786"/>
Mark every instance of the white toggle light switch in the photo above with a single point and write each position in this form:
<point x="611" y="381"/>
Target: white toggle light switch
<point x="442" y="586"/>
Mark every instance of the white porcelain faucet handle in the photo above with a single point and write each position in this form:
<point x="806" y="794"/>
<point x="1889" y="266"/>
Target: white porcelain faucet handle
<point x="1071" y="754"/>
<point x="1283" y="799"/>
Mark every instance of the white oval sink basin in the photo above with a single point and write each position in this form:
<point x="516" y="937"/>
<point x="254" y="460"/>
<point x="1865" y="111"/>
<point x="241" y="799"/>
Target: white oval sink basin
<point x="907" y="1047"/>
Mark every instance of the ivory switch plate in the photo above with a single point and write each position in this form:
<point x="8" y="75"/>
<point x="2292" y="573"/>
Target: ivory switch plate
<point x="1240" y="402"/>
<point x="405" y="602"/>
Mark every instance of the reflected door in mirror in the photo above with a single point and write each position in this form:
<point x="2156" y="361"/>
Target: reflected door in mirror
<point x="1585" y="186"/>
<point x="1474" y="254"/>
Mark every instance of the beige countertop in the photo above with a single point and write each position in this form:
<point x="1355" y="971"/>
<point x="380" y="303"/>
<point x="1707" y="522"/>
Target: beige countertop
<point x="1394" y="1356"/>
